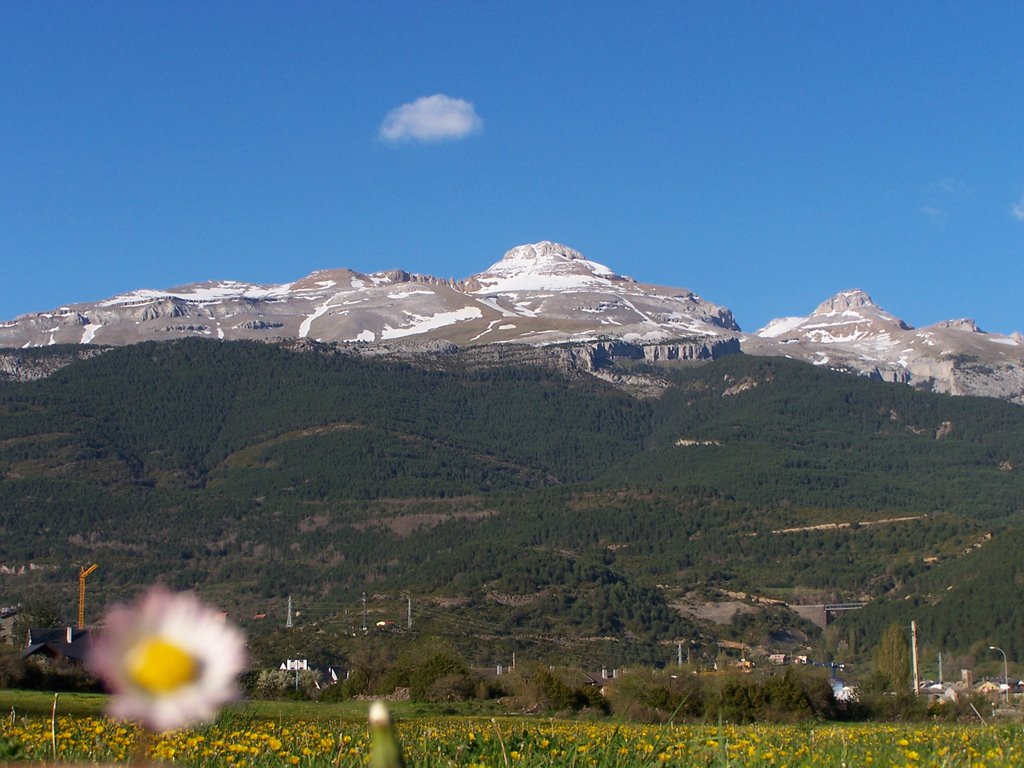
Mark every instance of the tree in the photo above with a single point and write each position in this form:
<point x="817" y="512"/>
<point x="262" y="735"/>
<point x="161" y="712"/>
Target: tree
<point x="36" y="613"/>
<point x="892" y="658"/>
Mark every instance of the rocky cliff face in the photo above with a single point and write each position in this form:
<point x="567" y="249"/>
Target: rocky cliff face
<point x="29" y="365"/>
<point x="600" y="354"/>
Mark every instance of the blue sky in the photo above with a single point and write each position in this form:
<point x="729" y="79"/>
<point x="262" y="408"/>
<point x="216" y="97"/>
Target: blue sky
<point x="762" y="154"/>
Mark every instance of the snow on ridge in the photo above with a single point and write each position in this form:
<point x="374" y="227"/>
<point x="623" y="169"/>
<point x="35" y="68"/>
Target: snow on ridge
<point x="512" y="282"/>
<point x="779" y="326"/>
<point x="821" y="336"/>
<point x="224" y="290"/>
<point x="424" y="323"/>
<point x="202" y="293"/>
<point x="549" y="264"/>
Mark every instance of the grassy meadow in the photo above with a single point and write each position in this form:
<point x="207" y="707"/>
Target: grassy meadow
<point x="286" y="734"/>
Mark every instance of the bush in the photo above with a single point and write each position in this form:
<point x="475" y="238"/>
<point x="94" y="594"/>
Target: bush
<point x="445" y="665"/>
<point x="884" y="705"/>
<point x="964" y="709"/>
<point x="794" y="695"/>
<point x="656" y="696"/>
<point x="334" y="692"/>
<point x="535" y="687"/>
<point x="44" y="674"/>
<point x="449" y="688"/>
<point x="12" y="668"/>
<point x="433" y="672"/>
<point x="281" y="684"/>
<point x="371" y="673"/>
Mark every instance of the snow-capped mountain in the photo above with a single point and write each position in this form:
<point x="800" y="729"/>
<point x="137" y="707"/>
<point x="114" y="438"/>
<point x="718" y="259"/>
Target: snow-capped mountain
<point x="538" y="294"/>
<point x="849" y="331"/>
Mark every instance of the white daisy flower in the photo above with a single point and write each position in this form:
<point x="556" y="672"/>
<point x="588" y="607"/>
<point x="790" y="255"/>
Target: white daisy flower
<point x="169" y="660"/>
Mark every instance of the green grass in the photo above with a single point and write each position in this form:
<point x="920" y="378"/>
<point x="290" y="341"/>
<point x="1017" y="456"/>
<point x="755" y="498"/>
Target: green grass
<point x="41" y="703"/>
<point x="36" y="703"/>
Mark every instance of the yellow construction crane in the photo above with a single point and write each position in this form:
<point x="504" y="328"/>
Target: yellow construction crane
<point x="82" y="573"/>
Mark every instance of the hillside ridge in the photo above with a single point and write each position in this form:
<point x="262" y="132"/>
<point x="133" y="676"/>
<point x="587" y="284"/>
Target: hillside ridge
<point x="539" y="294"/>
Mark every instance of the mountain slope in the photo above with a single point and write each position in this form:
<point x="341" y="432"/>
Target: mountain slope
<point x="544" y="499"/>
<point x="962" y="605"/>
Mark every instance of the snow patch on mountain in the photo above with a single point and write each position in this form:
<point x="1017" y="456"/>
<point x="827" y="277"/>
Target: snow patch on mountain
<point x="779" y="326"/>
<point x="307" y="323"/>
<point x="89" y="332"/>
<point x="420" y="324"/>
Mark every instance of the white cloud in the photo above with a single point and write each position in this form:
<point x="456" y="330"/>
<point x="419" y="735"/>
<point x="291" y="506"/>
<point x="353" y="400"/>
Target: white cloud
<point x="431" y="118"/>
<point x="1017" y="209"/>
<point x="932" y="212"/>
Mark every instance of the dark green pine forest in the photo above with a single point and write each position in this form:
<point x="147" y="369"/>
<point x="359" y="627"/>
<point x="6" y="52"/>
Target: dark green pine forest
<point x="517" y="506"/>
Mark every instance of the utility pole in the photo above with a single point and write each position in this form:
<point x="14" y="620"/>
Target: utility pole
<point x="940" y="669"/>
<point x="913" y="656"/>
<point x="364" y="611"/>
<point x="290" y="622"/>
<point x="679" y="654"/>
<point x="409" y="612"/>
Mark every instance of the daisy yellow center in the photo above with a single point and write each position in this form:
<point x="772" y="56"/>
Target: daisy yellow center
<point x="159" y="666"/>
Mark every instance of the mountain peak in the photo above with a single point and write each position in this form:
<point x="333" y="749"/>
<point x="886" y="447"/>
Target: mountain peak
<point x="961" y="324"/>
<point x="848" y="317"/>
<point x="542" y="266"/>
<point x="545" y="249"/>
<point x="843" y="301"/>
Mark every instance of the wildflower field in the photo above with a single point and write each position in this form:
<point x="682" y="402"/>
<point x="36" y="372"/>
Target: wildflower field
<point x="238" y="739"/>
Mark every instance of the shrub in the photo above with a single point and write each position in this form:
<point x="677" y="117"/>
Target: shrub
<point x="44" y="674"/>
<point x="12" y="668"/>
<point x="281" y="683"/>
<point x="788" y="697"/>
<point x="657" y="696"/>
<point x="537" y="687"/>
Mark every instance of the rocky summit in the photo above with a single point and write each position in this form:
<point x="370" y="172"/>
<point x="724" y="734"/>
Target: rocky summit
<point x="850" y="332"/>
<point x="538" y="294"/>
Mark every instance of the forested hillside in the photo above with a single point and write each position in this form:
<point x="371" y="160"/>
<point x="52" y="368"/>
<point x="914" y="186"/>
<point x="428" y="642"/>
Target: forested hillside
<point x="521" y="504"/>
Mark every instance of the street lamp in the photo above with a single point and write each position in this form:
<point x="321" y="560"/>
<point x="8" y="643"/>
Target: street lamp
<point x="1006" y="675"/>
